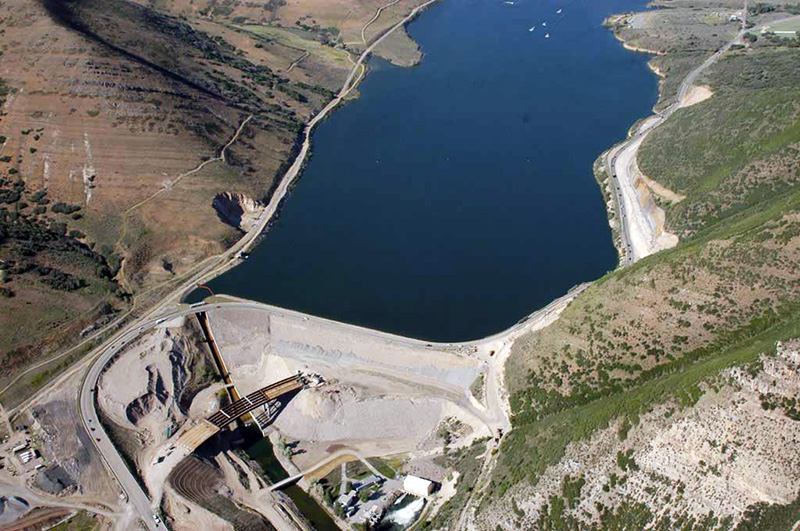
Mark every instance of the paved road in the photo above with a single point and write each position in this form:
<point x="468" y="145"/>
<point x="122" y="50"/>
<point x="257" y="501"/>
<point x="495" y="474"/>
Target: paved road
<point x="216" y="265"/>
<point x="210" y="268"/>
<point x="619" y="160"/>
<point x="624" y="193"/>
<point x="333" y="457"/>
<point x="136" y="495"/>
<point x="89" y="416"/>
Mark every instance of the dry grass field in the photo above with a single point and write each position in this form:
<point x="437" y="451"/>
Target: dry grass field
<point x="114" y="118"/>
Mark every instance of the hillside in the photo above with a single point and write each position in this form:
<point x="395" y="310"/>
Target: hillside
<point x="139" y="136"/>
<point x="642" y="363"/>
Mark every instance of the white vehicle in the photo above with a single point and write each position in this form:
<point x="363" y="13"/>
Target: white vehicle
<point x="156" y="519"/>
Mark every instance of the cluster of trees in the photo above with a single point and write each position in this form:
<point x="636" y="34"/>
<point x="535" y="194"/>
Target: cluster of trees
<point x="760" y="8"/>
<point x="22" y="240"/>
<point x="59" y="280"/>
<point x="64" y="208"/>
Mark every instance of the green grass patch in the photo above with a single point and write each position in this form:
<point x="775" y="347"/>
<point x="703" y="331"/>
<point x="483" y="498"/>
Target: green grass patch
<point x="296" y="40"/>
<point x="383" y="467"/>
<point x="81" y="521"/>
<point x="788" y="25"/>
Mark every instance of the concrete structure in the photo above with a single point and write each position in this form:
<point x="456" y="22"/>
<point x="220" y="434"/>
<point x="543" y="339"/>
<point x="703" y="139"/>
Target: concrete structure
<point x="418" y="486"/>
<point x="200" y="432"/>
<point x="368" y="482"/>
<point x="346" y="500"/>
<point x="371" y="516"/>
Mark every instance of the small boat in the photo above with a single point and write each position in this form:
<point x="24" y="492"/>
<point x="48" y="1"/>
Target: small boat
<point x="544" y="23"/>
<point x="508" y="3"/>
<point x="559" y="11"/>
<point x="546" y="35"/>
<point x="532" y="28"/>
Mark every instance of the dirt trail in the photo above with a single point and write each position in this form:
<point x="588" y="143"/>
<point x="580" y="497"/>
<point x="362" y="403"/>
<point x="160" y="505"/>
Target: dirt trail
<point x="36" y="367"/>
<point x="298" y="61"/>
<point x="214" y="266"/>
<point x="374" y="18"/>
<point x="169" y="185"/>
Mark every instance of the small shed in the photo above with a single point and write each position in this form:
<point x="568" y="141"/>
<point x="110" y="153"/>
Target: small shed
<point x="418" y="486"/>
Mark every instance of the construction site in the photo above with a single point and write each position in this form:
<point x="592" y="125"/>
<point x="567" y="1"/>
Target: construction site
<point x="256" y="418"/>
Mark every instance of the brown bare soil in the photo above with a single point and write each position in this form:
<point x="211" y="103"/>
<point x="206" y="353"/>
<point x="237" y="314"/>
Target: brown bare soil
<point x="111" y="108"/>
<point x="62" y="441"/>
<point x="203" y="484"/>
<point x="38" y="519"/>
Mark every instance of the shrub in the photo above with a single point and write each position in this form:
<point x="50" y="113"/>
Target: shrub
<point x="9" y="196"/>
<point x="58" y="227"/>
<point x="64" y="208"/>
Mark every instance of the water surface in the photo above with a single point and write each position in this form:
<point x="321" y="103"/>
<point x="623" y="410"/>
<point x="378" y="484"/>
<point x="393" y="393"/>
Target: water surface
<point x="260" y="449"/>
<point x="456" y="197"/>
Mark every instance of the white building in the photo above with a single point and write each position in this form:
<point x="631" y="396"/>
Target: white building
<point x="347" y="499"/>
<point x="417" y="486"/>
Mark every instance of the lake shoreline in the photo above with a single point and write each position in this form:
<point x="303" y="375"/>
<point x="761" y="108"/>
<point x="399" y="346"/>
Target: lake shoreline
<point x="519" y="309"/>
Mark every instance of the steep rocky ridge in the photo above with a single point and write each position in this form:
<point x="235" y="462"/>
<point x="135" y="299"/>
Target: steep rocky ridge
<point x="703" y="464"/>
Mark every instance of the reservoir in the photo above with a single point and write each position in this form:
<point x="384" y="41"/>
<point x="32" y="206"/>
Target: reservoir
<point x="455" y="197"/>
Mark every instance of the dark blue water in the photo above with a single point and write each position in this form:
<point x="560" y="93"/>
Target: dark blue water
<point x="456" y="197"/>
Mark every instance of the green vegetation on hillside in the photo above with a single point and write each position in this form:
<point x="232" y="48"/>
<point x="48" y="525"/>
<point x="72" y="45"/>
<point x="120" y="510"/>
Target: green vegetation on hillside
<point x="40" y="263"/>
<point x="82" y="521"/>
<point x="654" y="332"/>
<point x="735" y="150"/>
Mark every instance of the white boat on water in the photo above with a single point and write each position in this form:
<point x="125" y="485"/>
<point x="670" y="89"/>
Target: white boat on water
<point x="559" y="11"/>
<point x="546" y="35"/>
<point x="544" y="23"/>
<point x="508" y="3"/>
<point x="532" y="28"/>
